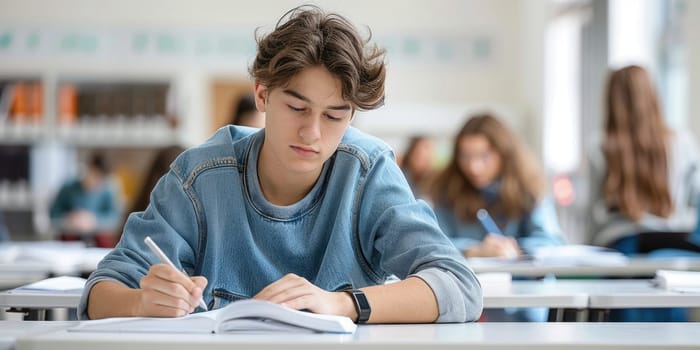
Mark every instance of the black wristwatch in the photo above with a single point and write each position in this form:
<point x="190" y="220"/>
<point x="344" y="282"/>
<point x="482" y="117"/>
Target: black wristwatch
<point x="361" y="305"/>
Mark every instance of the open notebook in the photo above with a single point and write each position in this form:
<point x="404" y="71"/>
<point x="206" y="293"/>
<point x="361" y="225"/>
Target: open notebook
<point x="241" y="316"/>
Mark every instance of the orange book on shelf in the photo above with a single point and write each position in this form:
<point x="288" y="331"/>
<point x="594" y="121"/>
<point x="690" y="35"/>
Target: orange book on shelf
<point x="18" y="111"/>
<point x="34" y="96"/>
<point x="37" y="102"/>
<point x="67" y="103"/>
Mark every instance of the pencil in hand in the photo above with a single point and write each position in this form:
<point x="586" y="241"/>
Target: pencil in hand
<point x="164" y="259"/>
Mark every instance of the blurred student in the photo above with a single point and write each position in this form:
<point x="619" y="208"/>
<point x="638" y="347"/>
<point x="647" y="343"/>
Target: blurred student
<point x="159" y="167"/>
<point x="246" y="114"/>
<point x="417" y="164"/>
<point x="491" y="169"/>
<point x="307" y="212"/>
<point x="644" y="176"/>
<point x="88" y="208"/>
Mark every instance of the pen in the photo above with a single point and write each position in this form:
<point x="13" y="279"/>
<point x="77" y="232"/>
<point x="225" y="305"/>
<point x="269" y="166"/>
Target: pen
<point x="491" y="227"/>
<point x="487" y="222"/>
<point x="164" y="259"/>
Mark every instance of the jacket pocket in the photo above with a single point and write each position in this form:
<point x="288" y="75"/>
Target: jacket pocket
<point x="222" y="297"/>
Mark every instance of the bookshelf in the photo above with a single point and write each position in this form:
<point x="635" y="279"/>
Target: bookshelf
<point x="49" y="121"/>
<point x="22" y="114"/>
<point x="22" y="121"/>
<point x="86" y="112"/>
<point x="92" y="113"/>
<point x="14" y="180"/>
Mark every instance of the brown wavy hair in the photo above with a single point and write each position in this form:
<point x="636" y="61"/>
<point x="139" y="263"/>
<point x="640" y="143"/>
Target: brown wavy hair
<point x="636" y="178"/>
<point x="306" y="37"/>
<point x="522" y="182"/>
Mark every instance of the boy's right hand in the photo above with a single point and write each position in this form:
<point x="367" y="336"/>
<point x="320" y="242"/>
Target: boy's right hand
<point x="166" y="292"/>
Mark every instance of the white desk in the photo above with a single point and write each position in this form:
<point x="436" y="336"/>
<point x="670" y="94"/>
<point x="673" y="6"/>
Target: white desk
<point x="620" y="294"/>
<point x="598" y="293"/>
<point x="557" y="294"/>
<point x="49" y="257"/>
<point x="40" y="299"/>
<point x="569" y="297"/>
<point x="615" y="294"/>
<point x="493" y="336"/>
<point x="535" y="294"/>
<point x="10" y="330"/>
<point x="521" y="294"/>
<point x="15" y="275"/>
<point x="635" y="267"/>
<point x="32" y="303"/>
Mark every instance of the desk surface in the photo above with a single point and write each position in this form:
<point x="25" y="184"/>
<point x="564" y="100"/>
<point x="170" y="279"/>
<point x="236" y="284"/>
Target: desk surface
<point x="49" y="257"/>
<point x="620" y="294"/>
<point x="40" y="299"/>
<point x="11" y="330"/>
<point x="634" y="267"/>
<point x="576" y="294"/>
<point x="12" y="276"/>
<point x="535" y="294"/>
<point x="521" y="294"/>
<point x="599" y="293"/>
<point x="406" y="337"/>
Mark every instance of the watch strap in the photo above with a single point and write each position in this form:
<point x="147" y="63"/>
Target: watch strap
<point x="361" y="305"/>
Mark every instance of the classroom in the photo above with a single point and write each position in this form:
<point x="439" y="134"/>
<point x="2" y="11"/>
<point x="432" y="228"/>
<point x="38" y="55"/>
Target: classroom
<point x="417" y="174"/>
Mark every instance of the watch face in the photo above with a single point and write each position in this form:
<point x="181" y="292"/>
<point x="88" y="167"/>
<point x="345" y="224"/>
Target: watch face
<point x="362" y="300"/>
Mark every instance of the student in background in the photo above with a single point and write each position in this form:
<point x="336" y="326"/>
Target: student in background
<point x="159" y="167"/>
<point x="417" y="164"/>
<point x="644" y="177"/>
<point x="88" y="208"/>
<point x="491" y="169"/>
<point x="246" y="114"/>
<point x="295" y="213"/>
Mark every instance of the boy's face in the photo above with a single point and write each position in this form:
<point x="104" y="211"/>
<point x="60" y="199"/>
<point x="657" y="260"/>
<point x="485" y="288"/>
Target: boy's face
<point x="305" y="121"/>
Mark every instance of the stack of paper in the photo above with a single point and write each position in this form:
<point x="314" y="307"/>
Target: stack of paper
<point x="579" y="255"/>
<point x="495" y="282"/>
<point x="56" y="284"/>
<point x="683" y="281"/>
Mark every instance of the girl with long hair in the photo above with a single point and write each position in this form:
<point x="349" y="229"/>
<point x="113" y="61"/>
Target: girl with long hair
<point x="490" y="169"/>
<point x="645" y="176"/>
<point x="644" y="181"/>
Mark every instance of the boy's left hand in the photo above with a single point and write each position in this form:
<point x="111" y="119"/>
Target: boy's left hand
<point x="298" y="293"/>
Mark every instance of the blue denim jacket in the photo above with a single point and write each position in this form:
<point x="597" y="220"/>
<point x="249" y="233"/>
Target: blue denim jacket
<point x="358" y="226"/>
<point x="539" y="228"/>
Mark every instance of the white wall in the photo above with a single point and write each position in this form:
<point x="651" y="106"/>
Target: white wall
<point x="691" y="34"/>
<point x="530" y="66"/>
<point x="506" y="77"/>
